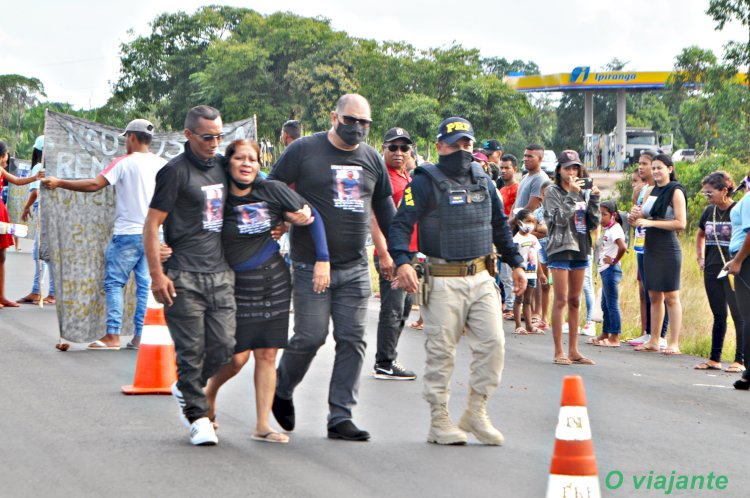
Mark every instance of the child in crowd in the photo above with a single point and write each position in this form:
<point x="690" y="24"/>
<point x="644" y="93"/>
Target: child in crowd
<point x="611" y="251"/>
<point x="541" y="294"/>
<point x="528" y="246"/>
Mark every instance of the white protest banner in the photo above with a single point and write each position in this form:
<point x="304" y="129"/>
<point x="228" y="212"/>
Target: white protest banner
<point x="77" y="226"/>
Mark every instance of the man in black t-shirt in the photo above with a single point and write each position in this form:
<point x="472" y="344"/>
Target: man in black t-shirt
<point x="197" y="289"/>
<point x="319" y="165"/>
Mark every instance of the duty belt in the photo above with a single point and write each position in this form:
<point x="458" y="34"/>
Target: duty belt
<point x="462" y="269"/>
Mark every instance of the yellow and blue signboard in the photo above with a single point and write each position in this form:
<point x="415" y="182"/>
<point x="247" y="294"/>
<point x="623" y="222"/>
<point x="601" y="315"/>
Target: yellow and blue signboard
<point x="582" y="79"/>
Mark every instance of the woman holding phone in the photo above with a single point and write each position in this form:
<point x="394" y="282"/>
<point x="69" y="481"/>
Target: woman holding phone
<point x="571" y="212"/>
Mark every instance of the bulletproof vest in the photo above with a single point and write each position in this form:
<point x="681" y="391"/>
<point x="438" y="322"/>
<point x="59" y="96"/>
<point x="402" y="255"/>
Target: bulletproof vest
<point x="459" y="228"/>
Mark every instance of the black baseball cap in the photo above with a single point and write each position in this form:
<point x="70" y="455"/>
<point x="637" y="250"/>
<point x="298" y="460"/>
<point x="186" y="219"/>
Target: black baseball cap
<point x="568" y="158"/>
<point x="492" y="145"/>
<point x="395" y="134"/>
<point x="453" y="129"/>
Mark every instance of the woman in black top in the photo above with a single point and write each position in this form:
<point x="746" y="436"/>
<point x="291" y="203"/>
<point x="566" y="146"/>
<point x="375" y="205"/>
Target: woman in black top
<point x="712" y="249"/>
<point x="262" y="282"/>
<point x="663" y="214"/>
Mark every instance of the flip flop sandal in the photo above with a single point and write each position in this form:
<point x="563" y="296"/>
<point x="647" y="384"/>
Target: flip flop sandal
<point x="606" y="344"/>
<point x="537" y="331"/>
<point x="130" y="345"/>
<point x="416" y="325"/>
<point x="642" y="349"/>
<point x="100" y="346"/>
<point x="521" y="331"/>
<point x="562" y="361"/>
<point x="270" y="437"/>
<point x="28" y="300"/>
<point x="706" y="366"/>
<point x="593" y="340"/>
<point x="583" y="361"/>
<point x="671" y="352"/>
<point x="735" y="369"/>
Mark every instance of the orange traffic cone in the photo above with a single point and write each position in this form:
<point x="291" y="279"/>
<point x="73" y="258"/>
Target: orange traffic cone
<point x="156" y="367"/>
<point x="573" y="471"/>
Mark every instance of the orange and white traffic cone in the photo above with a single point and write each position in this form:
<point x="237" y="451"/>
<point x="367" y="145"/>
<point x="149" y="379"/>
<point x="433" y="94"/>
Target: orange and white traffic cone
<point x="573" y="471"/>
<point x="156" y="367"/>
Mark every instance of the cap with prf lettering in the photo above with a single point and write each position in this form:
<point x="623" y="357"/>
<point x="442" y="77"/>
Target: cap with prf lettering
<point x="453" y="129"/>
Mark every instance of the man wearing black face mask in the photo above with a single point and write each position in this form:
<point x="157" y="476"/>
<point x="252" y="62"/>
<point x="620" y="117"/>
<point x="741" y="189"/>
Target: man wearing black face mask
<point x="459" y="217"/>
<point x="344" y="179"/>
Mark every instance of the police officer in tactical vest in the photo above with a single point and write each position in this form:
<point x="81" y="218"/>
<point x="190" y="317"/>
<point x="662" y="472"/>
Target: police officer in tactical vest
<point x="459" y="217"/>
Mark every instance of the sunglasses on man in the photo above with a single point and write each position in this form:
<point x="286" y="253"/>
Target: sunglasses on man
<point x="403" y="147"/>
<point x="207" y="137"/>
<point x="351" y="120"/>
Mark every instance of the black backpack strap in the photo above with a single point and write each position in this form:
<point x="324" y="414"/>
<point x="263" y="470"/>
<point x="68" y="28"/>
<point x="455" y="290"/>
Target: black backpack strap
<point x="437" y="176"/>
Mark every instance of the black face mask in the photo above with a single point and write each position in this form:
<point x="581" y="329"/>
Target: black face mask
<point x="352" y="134"/>
<point x="457" y="163"/>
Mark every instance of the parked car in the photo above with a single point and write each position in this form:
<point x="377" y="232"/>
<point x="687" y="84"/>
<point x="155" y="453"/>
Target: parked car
<point x="687" y="155"/>
<point x="549" y="162"/>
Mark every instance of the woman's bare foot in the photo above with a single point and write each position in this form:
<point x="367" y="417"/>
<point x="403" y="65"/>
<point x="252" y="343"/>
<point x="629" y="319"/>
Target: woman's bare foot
<point x="7" y="303"/>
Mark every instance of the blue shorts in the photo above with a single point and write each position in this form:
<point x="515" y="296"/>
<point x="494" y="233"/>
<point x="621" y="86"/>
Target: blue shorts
<point x="568" y="265"/>
<point x="542" y="255"/>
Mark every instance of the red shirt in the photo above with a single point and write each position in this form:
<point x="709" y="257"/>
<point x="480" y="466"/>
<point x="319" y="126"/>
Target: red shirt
<point x="399" y="182"/>
<point x="509" y="197"/>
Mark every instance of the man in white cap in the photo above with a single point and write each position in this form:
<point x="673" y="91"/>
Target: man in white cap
<point x="133" y="176"/>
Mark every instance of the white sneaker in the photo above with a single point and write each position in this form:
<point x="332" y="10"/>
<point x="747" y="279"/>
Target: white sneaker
<point x="662" y="343"/>
<point x="177" y="395"/>
<point x="640" y="340"/>
<point x="202" y="433"/>
<point x="589" y="329"/>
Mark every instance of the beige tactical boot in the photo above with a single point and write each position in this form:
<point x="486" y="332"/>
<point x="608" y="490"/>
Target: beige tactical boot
<point x="442" y="429"/>
<point x="476" y="421"/>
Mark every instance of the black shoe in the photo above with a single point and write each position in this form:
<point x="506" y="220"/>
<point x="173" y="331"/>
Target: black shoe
<point x="743" y="384"/>
<point x="392" y="371"/>
<point x="283" y="411"/>
<point x="347" y="431"/>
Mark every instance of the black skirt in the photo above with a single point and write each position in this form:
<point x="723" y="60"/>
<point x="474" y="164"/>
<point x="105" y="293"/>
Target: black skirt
<point x="263" y="296"/>
<point x="662" y="260"/>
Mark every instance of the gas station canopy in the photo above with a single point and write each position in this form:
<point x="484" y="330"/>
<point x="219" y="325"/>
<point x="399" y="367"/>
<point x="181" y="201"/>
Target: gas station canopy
<point x="582" y="79"/>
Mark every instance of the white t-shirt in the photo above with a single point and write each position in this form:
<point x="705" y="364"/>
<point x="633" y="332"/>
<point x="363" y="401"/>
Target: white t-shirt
<point x="134" y="179"/>
<point x="609" y="245"/>
<point x="529" y="247"/>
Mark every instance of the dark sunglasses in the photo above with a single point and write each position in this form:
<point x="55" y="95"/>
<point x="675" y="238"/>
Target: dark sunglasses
<point x="403" y="147"/>
<point x="350" y="120"/>
<point x="210" y="138"/>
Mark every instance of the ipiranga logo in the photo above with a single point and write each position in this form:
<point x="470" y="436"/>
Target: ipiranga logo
<point x="581" y="75"/>
<point x="579" y="71"/>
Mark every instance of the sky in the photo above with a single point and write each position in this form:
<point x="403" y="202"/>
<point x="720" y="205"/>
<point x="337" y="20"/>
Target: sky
<point x="73" y="47"/>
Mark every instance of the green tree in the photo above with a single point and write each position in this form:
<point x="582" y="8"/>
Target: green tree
<point x="418" y="114"/>
<point x="156" y="70"/>
<point x="17" y="94"/>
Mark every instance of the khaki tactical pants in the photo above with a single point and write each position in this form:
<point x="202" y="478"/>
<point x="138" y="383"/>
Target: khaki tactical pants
<point x="455" y="302"/>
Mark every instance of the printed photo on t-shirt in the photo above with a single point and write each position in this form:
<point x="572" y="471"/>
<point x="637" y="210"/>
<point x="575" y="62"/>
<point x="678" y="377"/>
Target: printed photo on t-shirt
<point x="347" y="188"/>
<point x="214" y="208"/>
<point x="721" y="230"/>
<point x="253" y="218"/>
<point x="580" y="217"/>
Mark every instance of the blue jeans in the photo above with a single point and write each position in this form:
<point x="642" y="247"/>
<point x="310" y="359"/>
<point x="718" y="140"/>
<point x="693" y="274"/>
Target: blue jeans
<point x="344" y="302"/>
<point x="588" y="290"/>
<point x="642" y="274"/>
<point x="45" y="269"/>
<point x="611" y="300"/>
<point x="124" y="255"/>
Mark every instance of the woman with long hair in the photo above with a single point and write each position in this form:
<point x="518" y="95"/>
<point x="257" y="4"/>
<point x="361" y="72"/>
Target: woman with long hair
<point x="663" y="214"/>
<point x="262" y="283"/>
<point x="571" y="215"/>
<point x="712" y="250"/>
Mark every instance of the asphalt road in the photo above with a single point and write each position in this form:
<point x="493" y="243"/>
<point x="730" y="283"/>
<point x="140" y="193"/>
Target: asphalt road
<point x="66" y="430"/>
